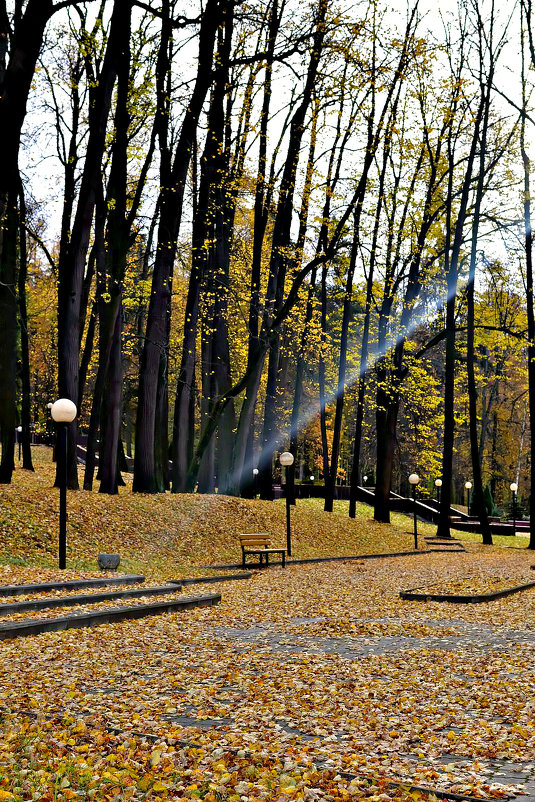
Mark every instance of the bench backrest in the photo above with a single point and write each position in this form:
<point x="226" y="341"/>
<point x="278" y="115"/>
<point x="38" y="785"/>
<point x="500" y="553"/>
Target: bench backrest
<point x="255" y="539"/>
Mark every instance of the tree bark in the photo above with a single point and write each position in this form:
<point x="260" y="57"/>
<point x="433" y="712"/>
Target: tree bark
<point x="25" y="41"/>
<point x="528" y="247"/>
<point x="153" y="371"/>
<point x="243" y="448"/>
<point x="26" y="405"/>
<point x="279" y="247"/>
<point x="72" y="259"/>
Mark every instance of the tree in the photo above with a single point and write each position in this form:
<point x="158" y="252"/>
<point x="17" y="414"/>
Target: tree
<point x="151" y="463"/>
<point x="22" y="36"/>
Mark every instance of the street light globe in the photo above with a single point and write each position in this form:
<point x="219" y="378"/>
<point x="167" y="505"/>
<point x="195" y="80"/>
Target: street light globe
<point x="438" y="482"/>
<point x="312" y="478"/>
<point x="513" y="487"/>
<point x="63" y="410"/>
<point x="414" y="479"/>
<point x="255" y="471"/>
<point x="286" y="459"/>
<point x="468" y="485"/>
<point x="19" y="429"/>
<point x="364" y="478"/>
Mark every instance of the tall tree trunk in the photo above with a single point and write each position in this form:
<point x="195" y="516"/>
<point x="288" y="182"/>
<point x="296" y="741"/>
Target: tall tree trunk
<point x="321" y="378"/>
<point x="97" y="265"/>
<point x="26" y="409"/>
<point x="279" y="252"/>
<point x="443" y="529"/>
<point x="25" y="39"/>
<point x="110" y="285"/>
<point x="72" y="260"/>
<point x="330" y="480"/>
<point x="8" y="335"/>
<point x="364" y="346"/>
<point x="528" y="240"/>
<point x="386" y="427"/>
<point x="206" y="471"/>
<point x="300" y="366"/>
<point x="243" y="446"/>
<point x="528" y="247"/>
<point x="153" y="368"/>
<point x="109" y="447"/>
<point x="217" y="212"/>
<point x="470" y="352"/>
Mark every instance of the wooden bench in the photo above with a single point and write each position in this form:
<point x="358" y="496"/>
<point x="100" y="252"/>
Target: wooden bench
<point x="259" y="543"/>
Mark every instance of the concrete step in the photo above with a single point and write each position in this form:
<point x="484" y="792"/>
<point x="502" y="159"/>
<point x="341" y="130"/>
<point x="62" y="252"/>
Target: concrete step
<point x="443" y="543"/>
<point x="449" y="551"/>
<point x="85" y="598"/>
<point x="34" y="626"/>
<point x="463" y="598"/>
<point x="44" y="587"/>
<point x="435" y="539"/>
<point x="201" y="580"/>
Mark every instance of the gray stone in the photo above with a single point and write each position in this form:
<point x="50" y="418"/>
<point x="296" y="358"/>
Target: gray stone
<point x="108" y="562"/>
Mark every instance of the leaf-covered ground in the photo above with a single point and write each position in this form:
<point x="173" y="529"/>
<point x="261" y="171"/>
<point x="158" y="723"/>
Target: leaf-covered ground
<point x="476" y="584"/>
<point x="312" y="683"/>
<point x="159" y="534"/>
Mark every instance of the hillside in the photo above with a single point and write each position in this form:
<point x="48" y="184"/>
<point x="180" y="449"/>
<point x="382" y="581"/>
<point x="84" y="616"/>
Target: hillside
<point x="165" y="533"/>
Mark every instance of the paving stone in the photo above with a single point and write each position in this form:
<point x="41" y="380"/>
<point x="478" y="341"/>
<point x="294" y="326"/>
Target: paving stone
<point x="198" y="723"/>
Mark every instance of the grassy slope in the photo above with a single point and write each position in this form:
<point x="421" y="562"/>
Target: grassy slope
<point x="166" y="535"/>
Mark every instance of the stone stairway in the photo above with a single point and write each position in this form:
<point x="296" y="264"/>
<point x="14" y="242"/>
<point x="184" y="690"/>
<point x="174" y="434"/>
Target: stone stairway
<point x="451" y="544"/>
<point x="91" y="607"/>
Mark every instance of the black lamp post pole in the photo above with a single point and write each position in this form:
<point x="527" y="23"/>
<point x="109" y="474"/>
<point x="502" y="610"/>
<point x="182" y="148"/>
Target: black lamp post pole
<point x="438" y="494"/>
<point x="468" y="508"/>
<point x="62" y="457"/>
<point x="514" y="513"/>
<point x="288" y="522"/>
<point x="415" y="523"/>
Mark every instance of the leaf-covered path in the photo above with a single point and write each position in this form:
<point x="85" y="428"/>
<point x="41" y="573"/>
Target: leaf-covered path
<point x="297" y="676"/>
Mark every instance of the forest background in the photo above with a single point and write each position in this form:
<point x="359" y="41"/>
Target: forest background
<point x="231" y="229"/>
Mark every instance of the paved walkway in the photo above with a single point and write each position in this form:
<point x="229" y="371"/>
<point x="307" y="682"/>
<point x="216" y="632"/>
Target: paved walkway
<point x="320" y="665"/>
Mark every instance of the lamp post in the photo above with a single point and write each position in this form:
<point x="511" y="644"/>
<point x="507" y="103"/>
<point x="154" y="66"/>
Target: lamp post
<point x="255" y="481"/>
<point x="513" y="487"/>
<point x="438" y="485"/>
<point x="63" y="412"/>
<point x="19" y="439"/>
<point x="364" y="479"/>
<point x="414" y="480"/>
<point x="286" y="459"/>
<point x="468" y="487"/>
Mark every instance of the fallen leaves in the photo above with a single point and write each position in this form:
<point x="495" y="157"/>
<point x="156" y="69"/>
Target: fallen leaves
<point x="280" y="694"/>
<point x="313" y="683"/>
<point x="477" y="584"/>
<point x="164" y="534"/>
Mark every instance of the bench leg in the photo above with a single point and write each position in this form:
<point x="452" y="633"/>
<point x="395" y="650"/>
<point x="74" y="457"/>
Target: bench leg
<point x="267" y="560"/>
